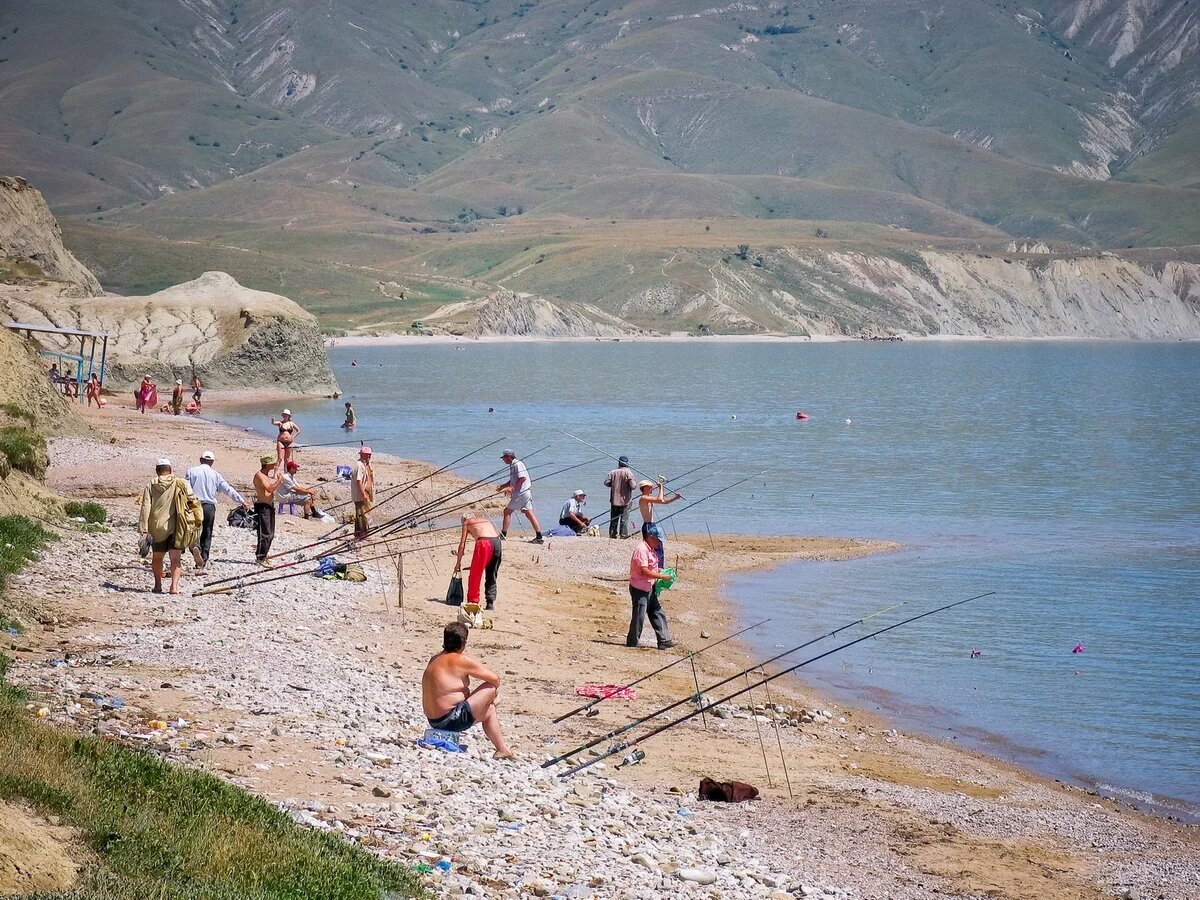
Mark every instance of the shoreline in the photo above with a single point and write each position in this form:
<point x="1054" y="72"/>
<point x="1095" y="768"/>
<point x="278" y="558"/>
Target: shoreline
<point x="859" y="777"/>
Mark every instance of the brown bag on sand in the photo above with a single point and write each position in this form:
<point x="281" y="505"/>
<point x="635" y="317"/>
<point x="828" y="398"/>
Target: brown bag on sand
<point x="727" y="791"/>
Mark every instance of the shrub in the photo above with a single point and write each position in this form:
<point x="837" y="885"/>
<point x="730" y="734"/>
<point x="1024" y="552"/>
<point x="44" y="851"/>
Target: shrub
<point x="25" y="450"/>
<point x="91" y="512"/>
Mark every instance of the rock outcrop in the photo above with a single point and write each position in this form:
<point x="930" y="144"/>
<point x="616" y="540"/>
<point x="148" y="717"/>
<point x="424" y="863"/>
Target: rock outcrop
<point x="231" y="336"/>
<point x="525" y="315"/>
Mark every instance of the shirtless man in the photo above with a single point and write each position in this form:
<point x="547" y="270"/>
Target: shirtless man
<point x="266" y="482"/>
<point x="485" y="559"/>
<point x="446" y="695"/>
<point x="646" y="503"/>
<point x="197" y="391"/>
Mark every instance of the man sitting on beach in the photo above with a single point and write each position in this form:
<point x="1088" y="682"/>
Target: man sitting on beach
<point x="572" y="514"/>
<point x="291" y="492"/>
<point x="446" y="695"/>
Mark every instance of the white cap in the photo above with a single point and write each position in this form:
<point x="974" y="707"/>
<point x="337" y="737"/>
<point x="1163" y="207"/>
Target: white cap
<point x="580" y="494"/>
<point x="179" y="381"/>
<point x="208" y="456"/>
<point x="287" y="412"/>
<point x="163" y="461"/>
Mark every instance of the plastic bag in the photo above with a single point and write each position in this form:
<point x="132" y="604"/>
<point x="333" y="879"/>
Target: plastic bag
<point x="144" y="546"/>
<point x="454" y="593"/>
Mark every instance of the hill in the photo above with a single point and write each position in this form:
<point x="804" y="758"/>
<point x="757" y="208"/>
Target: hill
<point x="343" y="144"/>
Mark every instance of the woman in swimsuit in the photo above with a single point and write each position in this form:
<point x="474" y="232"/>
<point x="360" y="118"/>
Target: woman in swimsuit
<point x="288" y="432"/>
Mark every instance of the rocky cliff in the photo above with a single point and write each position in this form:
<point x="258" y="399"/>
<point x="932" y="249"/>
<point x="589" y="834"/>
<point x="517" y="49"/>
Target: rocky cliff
<point x="525" y="315"/>
<point x="231" y="336"/>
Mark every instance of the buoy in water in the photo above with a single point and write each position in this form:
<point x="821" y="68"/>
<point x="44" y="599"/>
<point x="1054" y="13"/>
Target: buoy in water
<point x="354" y="362"/>
<point x="733" y="417"/>
<point x="802" y="415"/>
<point x="848" y="422"/>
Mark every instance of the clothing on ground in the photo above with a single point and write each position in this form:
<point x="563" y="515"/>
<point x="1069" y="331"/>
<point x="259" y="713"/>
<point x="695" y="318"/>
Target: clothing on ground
<point x="646" y="605"/>
<point x="458" y="719"/>
<point x="207" y="482"/>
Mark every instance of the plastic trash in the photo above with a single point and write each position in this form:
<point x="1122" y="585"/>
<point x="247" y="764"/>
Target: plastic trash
<point x="437" y="739"/>
<point x="632" y="759"/>
<point x="442" y="865"/>
<point x="113" y="703"/>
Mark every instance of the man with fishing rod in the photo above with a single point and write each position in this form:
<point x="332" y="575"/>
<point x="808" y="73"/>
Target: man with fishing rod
<point x="620" y="483"/>
<point x="520" y="496"/>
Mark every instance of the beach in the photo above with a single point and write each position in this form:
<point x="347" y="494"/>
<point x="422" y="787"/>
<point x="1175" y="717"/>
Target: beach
<point x="307" y="692"/>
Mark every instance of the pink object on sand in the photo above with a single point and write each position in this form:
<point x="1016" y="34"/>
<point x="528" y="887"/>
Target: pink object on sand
<point x="606" y="691"/>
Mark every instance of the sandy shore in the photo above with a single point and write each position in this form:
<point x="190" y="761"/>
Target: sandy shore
<point x="305" y="691"/>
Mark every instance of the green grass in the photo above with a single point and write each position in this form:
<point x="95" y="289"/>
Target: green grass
<point x="153" y="829"/>
<point x="91" y="512"/>
<point x="19" y="540"/>
<point x="25" y="450"/>
<point x="18" y="413"/>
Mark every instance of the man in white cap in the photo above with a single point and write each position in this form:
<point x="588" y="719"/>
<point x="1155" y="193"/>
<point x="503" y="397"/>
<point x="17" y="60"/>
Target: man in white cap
<point x="572" y="513"/>
<point x="519" y="490"/>
<point x="177" y="397"/>
<point x="362" y="492"/>
<point x="207" y="482"/>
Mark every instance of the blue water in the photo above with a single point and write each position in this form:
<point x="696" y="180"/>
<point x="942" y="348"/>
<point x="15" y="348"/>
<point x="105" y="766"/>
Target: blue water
<point x="1063" y="476"/>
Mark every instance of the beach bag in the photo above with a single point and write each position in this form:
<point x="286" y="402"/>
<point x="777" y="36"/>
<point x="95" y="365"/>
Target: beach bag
<point x="454" y="593"/>
<point x="189" y="516"/>
<point x="240" y="517"/>
<point x="727" y="791"/>
<point x="144" y="546"/>
<point x="350" y="572"/>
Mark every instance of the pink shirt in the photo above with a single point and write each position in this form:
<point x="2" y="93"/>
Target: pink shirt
<point x="643" y="557"/>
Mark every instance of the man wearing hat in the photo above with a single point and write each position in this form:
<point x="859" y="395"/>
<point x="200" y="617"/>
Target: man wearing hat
<point x="620" y="483"/>
<point x="519" y="491"/>
<point x="266" y="483"/>
<point x="572" y="513"/>
<point x="362" y="492"/>
<point x="177" y="397"/>
<point x="207" y="482"/>
<point x="160" y="520"/>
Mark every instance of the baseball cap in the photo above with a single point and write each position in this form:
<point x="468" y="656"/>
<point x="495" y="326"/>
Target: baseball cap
<point x="292" y="465"/>
<point x="579" y="494"/>
<point x="208" y="456"/>
<point x="507" y="453"/>
<point x="266" y="460"/>
<point x="364" y="451"/>
<point x="163" y="461"/>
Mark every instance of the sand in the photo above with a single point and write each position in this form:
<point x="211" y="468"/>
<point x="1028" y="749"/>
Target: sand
<point x="870" y="812"/>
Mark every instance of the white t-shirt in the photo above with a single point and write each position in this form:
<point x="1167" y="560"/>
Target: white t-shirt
<point x="517" y="471"/>
<point x="571" y="507"/>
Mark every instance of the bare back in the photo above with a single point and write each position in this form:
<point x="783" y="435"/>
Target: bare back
<point x="480" y="528"/>
<point x="446" y="682"/>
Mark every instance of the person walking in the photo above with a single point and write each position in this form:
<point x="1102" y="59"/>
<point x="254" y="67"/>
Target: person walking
<point x="644" y="571"/>
<point x="266" y="482"/>
<point x="572" y="515"/>
<point x="362" y="492"/>
<point x="485" y="558"/>
<point x="146" y="395"/>
<point x="92" y="389"/>
<point x="621" y="484"/>
<point x="159" y="519"/>
<point x="519" y="490"/>
<point x="206" y="482"/>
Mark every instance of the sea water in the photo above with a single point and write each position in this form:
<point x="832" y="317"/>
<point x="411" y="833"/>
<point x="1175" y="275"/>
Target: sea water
<point x="1064" y="476"/>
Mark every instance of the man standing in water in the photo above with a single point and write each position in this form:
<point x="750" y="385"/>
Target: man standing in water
<point x="362" y="492"/>
<point x="519" y="491"/>
<point x="266" y="483"/>
<point x="197" y="391"/>
<point x="446" y="695"/>
<point x="644" y="571"/>
<point x="485" y="558"/>
<point x="620" y="483"/>
<point x="207" y="482"/>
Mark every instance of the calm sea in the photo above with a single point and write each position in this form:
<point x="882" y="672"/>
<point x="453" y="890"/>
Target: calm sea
<point x="1063" y="476"/>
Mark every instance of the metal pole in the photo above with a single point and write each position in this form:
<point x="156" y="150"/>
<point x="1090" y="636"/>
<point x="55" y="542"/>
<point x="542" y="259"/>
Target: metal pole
<point x="758" y="728"/>
<point x="778" y="739"/>
<point x="699" y="695"/>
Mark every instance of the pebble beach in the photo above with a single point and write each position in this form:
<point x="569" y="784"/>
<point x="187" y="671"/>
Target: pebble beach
<point x="306" y="692"/>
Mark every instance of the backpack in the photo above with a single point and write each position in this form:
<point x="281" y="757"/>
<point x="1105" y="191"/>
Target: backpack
<point x="189" y="516"/>
<point x="727" y="791"/>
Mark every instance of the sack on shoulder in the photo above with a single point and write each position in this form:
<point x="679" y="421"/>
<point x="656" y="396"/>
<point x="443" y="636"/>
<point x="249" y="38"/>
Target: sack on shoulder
<point x="454" y="593"/>
<point x="189" y="516"/>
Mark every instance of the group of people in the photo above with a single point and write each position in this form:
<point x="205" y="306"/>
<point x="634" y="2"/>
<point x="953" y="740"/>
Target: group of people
<point x="146" y="396"/>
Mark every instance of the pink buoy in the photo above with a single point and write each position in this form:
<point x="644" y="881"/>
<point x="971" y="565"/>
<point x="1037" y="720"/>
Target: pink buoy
<point x="801" y="415"/>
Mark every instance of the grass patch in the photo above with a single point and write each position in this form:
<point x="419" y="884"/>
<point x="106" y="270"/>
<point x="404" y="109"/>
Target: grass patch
<point x="154" y="829"/>
<point x="91" y="512"/>
<point x="25" y="450"/>
<point x="18" y="413"/>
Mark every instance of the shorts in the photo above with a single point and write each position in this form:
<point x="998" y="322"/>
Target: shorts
<point x="458" y="719"/>
<point x="521" y="501"/>
<point x="291" y="498"/>
<point x="164" y="545"/>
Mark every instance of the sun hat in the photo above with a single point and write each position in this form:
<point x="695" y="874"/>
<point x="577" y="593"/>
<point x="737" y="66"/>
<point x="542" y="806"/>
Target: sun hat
<point x="579" y="494"/>
<point x="179" y="381"/>
<point x="207" y="456"/>
<point x="266" y="460"/>
<point x="364" y="451"/>
<point x="163" y="461"/>
<point x="645" y="483"/>
<point x="287" y="412"/>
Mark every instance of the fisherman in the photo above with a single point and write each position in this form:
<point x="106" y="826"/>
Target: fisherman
<point x="572" y="513"/>
<point x="160" y="519"/>
<point x="621" y="483"/>
<point x="266" y="483"/>
<point x="177" y="397"/>
<point x="646" y="503"/>
<point x="446" y="695"/>
<point x="519" y="491"/>
<point x="485" y="558"/>
<point x="351" y="421"/>
<point x="197" y="391"/>
<point x="362" y="492"/>
<point x="291" y="492"/>
<point x="644" y="571"/>
<point x="288" y="432"/>
<point x="206" y="482"/>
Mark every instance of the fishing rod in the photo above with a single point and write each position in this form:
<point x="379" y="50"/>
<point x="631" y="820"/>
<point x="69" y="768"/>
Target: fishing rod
<point x="604" y="518"/>
<point x="712" y="687"/>
<point x="413" y="484"/>
<point x="332" y="443"/>
<point x="709" y="497"/>
<point x="658" y="671"/>
<point x="661" y="728"/>
<point x="249" y="584"/>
